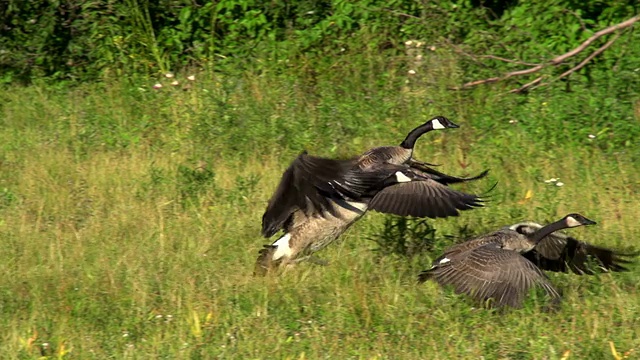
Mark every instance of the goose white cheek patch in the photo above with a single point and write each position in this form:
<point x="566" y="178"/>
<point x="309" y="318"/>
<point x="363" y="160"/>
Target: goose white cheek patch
<point x="571" y="222"/>
<point x="437" y="125"/>
<point x="400" y="177"/>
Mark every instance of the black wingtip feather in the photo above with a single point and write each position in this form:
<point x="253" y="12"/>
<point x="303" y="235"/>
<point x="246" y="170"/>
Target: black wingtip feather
<point x="446" y="179"/>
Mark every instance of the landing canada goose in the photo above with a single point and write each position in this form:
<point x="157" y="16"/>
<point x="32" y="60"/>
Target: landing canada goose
<point x="560" y="252"/>
<point x="492" y="266"/>
<point x="318" y="199"/>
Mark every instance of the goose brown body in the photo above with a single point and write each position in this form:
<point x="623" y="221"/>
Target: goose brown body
<point x="308" y="234"/>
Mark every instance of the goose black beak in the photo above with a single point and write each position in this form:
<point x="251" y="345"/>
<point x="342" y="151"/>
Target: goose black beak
<point x="452" y="125"/>
<point x="588" y="222"/>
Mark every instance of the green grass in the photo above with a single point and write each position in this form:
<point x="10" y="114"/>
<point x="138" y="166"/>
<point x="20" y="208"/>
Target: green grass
<point x="130" y="222"/>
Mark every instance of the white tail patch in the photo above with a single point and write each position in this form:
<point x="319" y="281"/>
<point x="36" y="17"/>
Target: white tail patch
<point x="400" y="177"/>
<point x="283" y="247"/>
<point x="437" y="125"/>
<point x="444" y="261"/>
<point x="572" y="222"/>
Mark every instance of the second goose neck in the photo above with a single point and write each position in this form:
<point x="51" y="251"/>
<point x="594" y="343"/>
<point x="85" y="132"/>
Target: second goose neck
<point x="536" y="237"/>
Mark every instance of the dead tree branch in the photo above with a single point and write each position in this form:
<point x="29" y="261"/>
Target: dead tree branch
<point x="594" y="37"/>
<point x="588" y="58"/>
<point x="506" y="60"/>
<point x="557" y="60"/>
<point x="526" y="86"/>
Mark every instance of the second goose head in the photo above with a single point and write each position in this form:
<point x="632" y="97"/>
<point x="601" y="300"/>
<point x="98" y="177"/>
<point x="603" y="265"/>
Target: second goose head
<point x="574" y="220"/>
<point x="436" y="123"/>
<point x="569" y="221"/>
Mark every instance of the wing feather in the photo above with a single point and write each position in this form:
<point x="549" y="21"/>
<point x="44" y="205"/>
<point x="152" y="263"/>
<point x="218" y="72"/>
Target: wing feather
<point x="305" y="186"/>
<point x="489" y="272"/>
<point x="423" y="198"/>
<point x="562" y="253"/>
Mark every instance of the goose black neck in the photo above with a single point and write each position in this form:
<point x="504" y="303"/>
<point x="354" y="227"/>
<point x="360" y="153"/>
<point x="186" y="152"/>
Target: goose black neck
<point x="536" y="237"/>
<point x="410" y="141"/>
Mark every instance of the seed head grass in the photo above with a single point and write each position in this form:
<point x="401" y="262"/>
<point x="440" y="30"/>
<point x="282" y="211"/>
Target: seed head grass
<point x="130" y="224"/>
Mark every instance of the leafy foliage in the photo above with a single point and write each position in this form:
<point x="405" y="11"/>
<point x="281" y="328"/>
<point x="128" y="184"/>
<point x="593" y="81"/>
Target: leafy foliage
<point x="100" y="148"/>
<point x="71" y="40"/>
<point x="405" y="237"/>
<point x="192" y="183"/>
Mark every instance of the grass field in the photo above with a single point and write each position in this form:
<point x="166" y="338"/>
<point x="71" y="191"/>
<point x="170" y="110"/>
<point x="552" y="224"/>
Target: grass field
<point x="130" y="222"/>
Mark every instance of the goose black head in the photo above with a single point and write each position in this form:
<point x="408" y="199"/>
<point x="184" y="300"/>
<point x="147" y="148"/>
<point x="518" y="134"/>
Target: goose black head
<point x="436" y="123"/>
<point x="574" y="219"/>
<point x="441" y="122"/>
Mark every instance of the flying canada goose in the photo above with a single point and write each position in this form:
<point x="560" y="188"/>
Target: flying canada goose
<point x="318" y="198"/>
<point x="492" y="266"/>
<point x="559" y="252"/>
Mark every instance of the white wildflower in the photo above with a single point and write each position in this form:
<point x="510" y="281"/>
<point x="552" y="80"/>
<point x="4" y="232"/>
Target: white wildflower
<point x="412" y="72"/>
<point x="559" y="183"/>
<point x="191" y="77"/>
<point x="157" y="86"/>
<point x="552" y="180"/>
<point x="168" y="75"/>
<point x="175" y="83"/>
<point x="591" y="136"/>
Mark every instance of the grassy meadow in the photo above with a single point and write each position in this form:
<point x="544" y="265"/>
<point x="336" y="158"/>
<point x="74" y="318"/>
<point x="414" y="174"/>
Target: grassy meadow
<point x="130" y="219"/>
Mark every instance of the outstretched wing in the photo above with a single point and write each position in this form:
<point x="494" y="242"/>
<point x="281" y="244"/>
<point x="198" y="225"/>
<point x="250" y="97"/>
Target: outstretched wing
<point x="443" y="178"/>
<point x="405" y="191"/>
<point x="562" y="253"/>
<point x="426" y="198"/>
<point x="409" y="192"/>
<point x="489" y="272"/>
<point x="305" y="186"/>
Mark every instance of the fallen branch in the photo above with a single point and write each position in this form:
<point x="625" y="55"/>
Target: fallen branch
<point x="525" y="72"/>
<point x="475" y="58"/>
<point x="588" y="58"/>
<point x="526" y="86"/>
<point x="506" y="60"/>
<point x="480" y="82"/>
<point x="557" y="60"/>
<point x="594" y="37"/>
